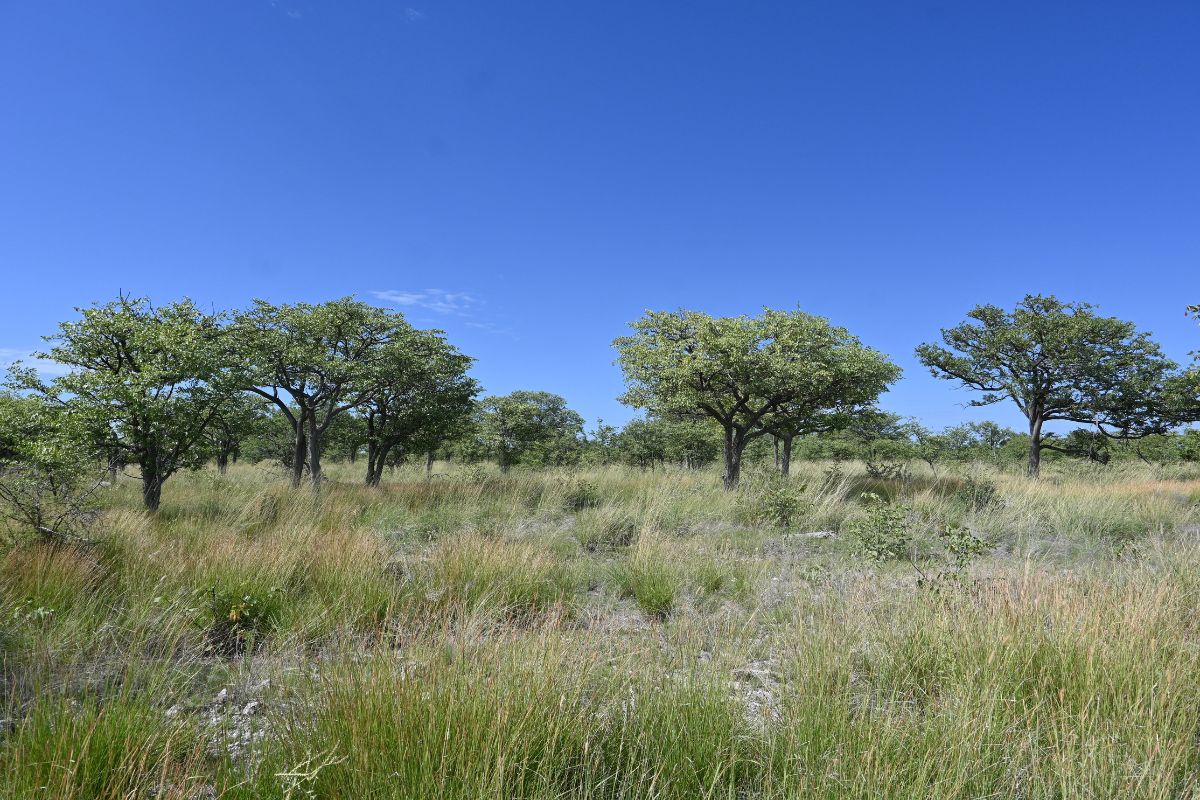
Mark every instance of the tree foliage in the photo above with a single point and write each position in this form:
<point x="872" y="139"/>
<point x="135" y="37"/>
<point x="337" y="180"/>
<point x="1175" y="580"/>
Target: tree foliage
<point x="421" y="395"/>
<point x="314" y="363"/>
<point x="145" y="381"/>
<point x="1059" y="361"/>
<point x="529" y="426"/>
<point x="781" y="371"/>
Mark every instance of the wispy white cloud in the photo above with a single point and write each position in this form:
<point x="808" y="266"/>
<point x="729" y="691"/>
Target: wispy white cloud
<point x="457" y="303"/>
<point x="43" y="366"/>
<point x="413" y="14"/>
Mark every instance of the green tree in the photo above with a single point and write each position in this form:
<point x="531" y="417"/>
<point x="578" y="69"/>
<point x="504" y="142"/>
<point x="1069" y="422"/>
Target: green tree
<point x="144" y="381"/>
<point x="1058" y="361"/>
<point x="47" y="479"/>
<point x="536" y="426"/>
<point x="784" y="370"/>
<point x="643" y="442"/>
<point x="234" y="423"/>
<point x="422" y="394"/>
<point x="314" y="363"/>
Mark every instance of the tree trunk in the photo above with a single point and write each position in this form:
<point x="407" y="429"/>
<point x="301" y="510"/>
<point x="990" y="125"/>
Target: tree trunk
<point x="785" y="458"/>
<point x="376" y="457"/>
<point x="734" y="444"/>
<point x="354" y="454"/>
<point x="775" y="441"/>
<point x="298" y="454"/>
<point x="314" y="453"/>
<point x="222" y="461"/>
<point x="372" y="457"/>
<point x="1035" y="446"/>
<point x="429" y="464"/>
<point x="151" y="483"/>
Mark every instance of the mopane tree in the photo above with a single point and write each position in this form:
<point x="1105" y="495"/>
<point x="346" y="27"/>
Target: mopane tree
<point x="422" y="395"/>
<point x="1059" y="361"/>
<point x="314" y="363"/>
<point x="144" y="381"/>
<point x="752" y="375"/>
<point x="526" y="424"/>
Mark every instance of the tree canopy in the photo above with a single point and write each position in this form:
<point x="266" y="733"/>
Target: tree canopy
<point x="145" y="381"/>
<point x="314" y="363"/>
<point x="1060" y="361"/>
<point x="531" y="425"/>
<point x="784" y="371"/>
<point x="421" y="395"/>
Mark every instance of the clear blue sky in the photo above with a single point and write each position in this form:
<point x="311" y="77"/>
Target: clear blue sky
<point x="531" y="176"/>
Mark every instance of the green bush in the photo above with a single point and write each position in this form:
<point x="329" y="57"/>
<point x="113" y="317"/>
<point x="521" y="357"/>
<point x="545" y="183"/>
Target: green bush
<point x="776" y="501"/>
<point x="976" y="495"/>
<point x="883" y="532"/>
<point x="235" y="622"/>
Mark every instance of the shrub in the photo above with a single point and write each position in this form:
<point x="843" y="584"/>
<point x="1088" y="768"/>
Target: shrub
<point x="883" y="533"/>
<point x="777" y="501"/>
<point x="976" y="495"/>
<point x="580" y="495"/>
<point x="234" y="621"/>
<point x="962" y="546"/>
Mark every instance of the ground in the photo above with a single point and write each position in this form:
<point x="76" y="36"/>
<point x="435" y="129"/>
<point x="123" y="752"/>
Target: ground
<point x="612" y="633"/>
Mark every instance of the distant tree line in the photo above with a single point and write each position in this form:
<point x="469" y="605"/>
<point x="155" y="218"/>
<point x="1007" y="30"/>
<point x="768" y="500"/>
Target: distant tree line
<point x="172" y="387"/>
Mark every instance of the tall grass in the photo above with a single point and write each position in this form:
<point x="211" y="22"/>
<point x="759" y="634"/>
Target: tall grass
<point x="610" y="634"/>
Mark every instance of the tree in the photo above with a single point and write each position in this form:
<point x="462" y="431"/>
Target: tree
<point x="643" y="442"/>
<point x="932" y="448"/>
<point x="782" y="371"/>
<point x="232" y="425"/>
<point x="1058" y="361"/>
<point x="421" y="395"/>
<point x="314" y="363"/>
<point x="145" y="382"/>
<point x="45" y="484"/>
<point x="537" y="426"/>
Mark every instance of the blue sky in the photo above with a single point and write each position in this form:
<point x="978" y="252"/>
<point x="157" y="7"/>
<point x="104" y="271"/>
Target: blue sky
<point x="532" y="176"/>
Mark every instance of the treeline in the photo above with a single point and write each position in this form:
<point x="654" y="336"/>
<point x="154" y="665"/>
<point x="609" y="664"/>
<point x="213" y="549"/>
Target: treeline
<point x="166" y="388"/>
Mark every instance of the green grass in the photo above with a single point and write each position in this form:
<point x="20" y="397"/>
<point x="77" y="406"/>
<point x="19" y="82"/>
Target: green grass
<point x="607" y="634"/>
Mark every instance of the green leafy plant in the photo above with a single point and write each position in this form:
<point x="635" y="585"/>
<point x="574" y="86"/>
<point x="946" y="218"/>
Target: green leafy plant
<point x="962" y="546"/>
<point x="777" y="501"/>
<point x="883" y="533"/>
<point x="976" y="494"/>
<point x="236" y="622"/>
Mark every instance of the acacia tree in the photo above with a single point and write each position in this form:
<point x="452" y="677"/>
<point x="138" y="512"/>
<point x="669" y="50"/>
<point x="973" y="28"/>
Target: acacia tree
<point x="145" y="382"/>
<point x="527" y="423"/>
<point x="422" y="394"/>
<point x="1059" y="361"/>
<point x="314" y="363"/>
<point x="782" y="371"/>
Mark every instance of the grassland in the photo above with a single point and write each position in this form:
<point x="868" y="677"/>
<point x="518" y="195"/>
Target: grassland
<point x="609" y="633"/>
